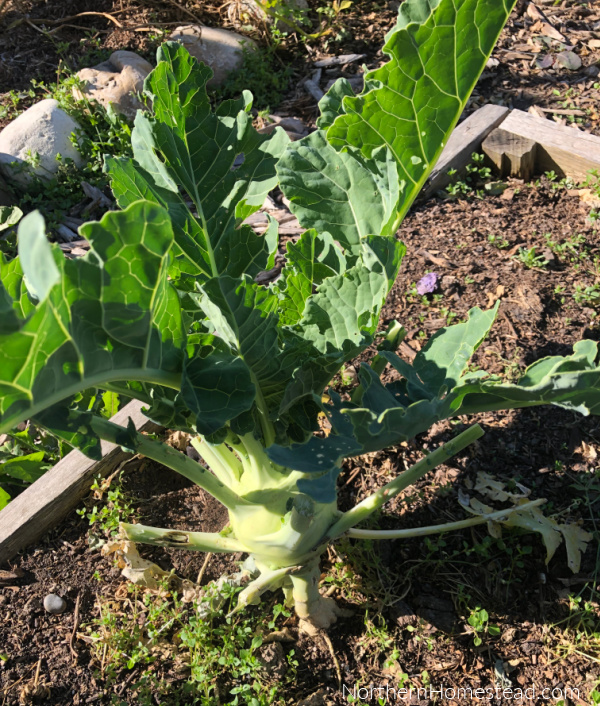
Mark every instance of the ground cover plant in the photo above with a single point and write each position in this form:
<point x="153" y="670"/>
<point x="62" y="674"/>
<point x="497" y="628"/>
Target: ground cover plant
<point x="165" y="307"/>
<point x="100" y="131"/>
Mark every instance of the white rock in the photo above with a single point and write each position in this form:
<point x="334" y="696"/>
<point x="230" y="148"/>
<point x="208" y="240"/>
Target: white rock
<point x="40" y="133"/>
<point x="220" y="49"/>
<point x="54" y="604"/>
<point x="116" y="82"/>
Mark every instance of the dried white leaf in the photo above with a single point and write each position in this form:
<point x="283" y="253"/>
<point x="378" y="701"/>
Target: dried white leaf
<point x="576" y="540"/>
<point x="496" y="490"/>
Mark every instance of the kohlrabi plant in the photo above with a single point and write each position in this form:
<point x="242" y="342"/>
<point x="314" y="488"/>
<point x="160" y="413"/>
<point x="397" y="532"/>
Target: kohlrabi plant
<point x="166" y="308"/>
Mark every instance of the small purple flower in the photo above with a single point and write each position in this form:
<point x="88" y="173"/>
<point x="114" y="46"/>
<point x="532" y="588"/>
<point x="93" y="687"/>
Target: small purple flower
<point x="428" y="284"/>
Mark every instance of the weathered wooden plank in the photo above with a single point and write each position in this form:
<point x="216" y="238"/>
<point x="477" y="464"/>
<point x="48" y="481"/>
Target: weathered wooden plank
<point x="565" y="150"/>
<point x="464" y="140"/>
<point x="47" y="501"/>
<point x="512" y="155"/>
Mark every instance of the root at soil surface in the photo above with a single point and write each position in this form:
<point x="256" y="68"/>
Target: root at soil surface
<point x="320" y="616"/>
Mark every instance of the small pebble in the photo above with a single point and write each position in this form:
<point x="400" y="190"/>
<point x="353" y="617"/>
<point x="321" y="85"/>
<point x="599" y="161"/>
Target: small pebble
<point x="54" y="604"/>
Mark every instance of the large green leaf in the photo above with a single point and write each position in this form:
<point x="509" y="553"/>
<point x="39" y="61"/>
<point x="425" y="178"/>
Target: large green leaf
<point x="396" y="412"/>
<point x="437" y="51"/>
<point x="331" y="105"/>
<point x="387" y="417"/>
<point x="341" y="315"/>
<point x="210" y="170"/>
<point x="444" y="359"/>
<point x="39" y="269"/>
<point x="26" y="468"/>
<point x="112" y="315"/>
<point x="310" y="261"/>
<point x="571" y="382"/>
<point x="216" y="389"/>
<point x="340" y="192"/>
<point x="245" y="317"/>
<point x="340" y="319"/>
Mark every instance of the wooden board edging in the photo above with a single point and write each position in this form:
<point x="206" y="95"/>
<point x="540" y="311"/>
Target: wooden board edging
<point x="465" y="139"/>
<point x="46" y="502"/>
<point x="560" y="148"/>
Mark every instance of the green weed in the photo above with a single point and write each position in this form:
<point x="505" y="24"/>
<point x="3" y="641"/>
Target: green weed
<point x="25" y="456"/>
<point x="116" y="505"/>
<point x="572" y="249"/>
<point x="587" y="295"/>
<point x="477" y="176"/>
<point x="210" y="659"/>
<point x="528" y="257"/>
<point x="479" y="621"/>
<point x="263" y="73"/>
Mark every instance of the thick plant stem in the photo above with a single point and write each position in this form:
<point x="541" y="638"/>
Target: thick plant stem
<point x="240" y="461"/>
<point x="215" y="461"/>
<point x="306" y="589"/>
<point x="316" y="612"/>
<point x="258" y="465"/>
<point x="368" y="506"/>
<point x="497" y="516"/>
<point x="196" y="541"/>
<point x="165" y="454"/>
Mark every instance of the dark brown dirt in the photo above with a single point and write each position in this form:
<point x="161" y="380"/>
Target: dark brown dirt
<point x="36" y="38"/>
<point x="423" y="589"/>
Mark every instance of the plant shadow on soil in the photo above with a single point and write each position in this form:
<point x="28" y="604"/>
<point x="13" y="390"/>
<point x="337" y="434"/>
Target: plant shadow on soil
<point x="406" y="589"/>
<point x="411" y="599"/>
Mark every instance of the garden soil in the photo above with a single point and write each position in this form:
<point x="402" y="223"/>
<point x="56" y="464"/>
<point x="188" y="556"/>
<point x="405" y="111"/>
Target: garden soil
<point x="423" y="590"/>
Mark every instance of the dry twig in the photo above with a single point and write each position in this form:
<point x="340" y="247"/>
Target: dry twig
<point x="336" y="664"/>
<point x="203" y="569"/>
<point x="75" y="626"/>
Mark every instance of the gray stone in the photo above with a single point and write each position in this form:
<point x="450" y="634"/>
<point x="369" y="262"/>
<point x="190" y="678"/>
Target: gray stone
<point x="295" y="128"/>
<point x="39" y="134"/>
<point x="116" y="82"/>
<point x="7" y="198"/>
<point x="54" y="604"/>
<point x="220" y="49"/>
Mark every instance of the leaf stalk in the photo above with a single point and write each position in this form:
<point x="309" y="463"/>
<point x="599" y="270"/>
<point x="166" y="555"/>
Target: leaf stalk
<point x="196" y="541"/>
<point x="165" y="454"/>
<point x="497" y="516"/>
<point x="369" y="505"/>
